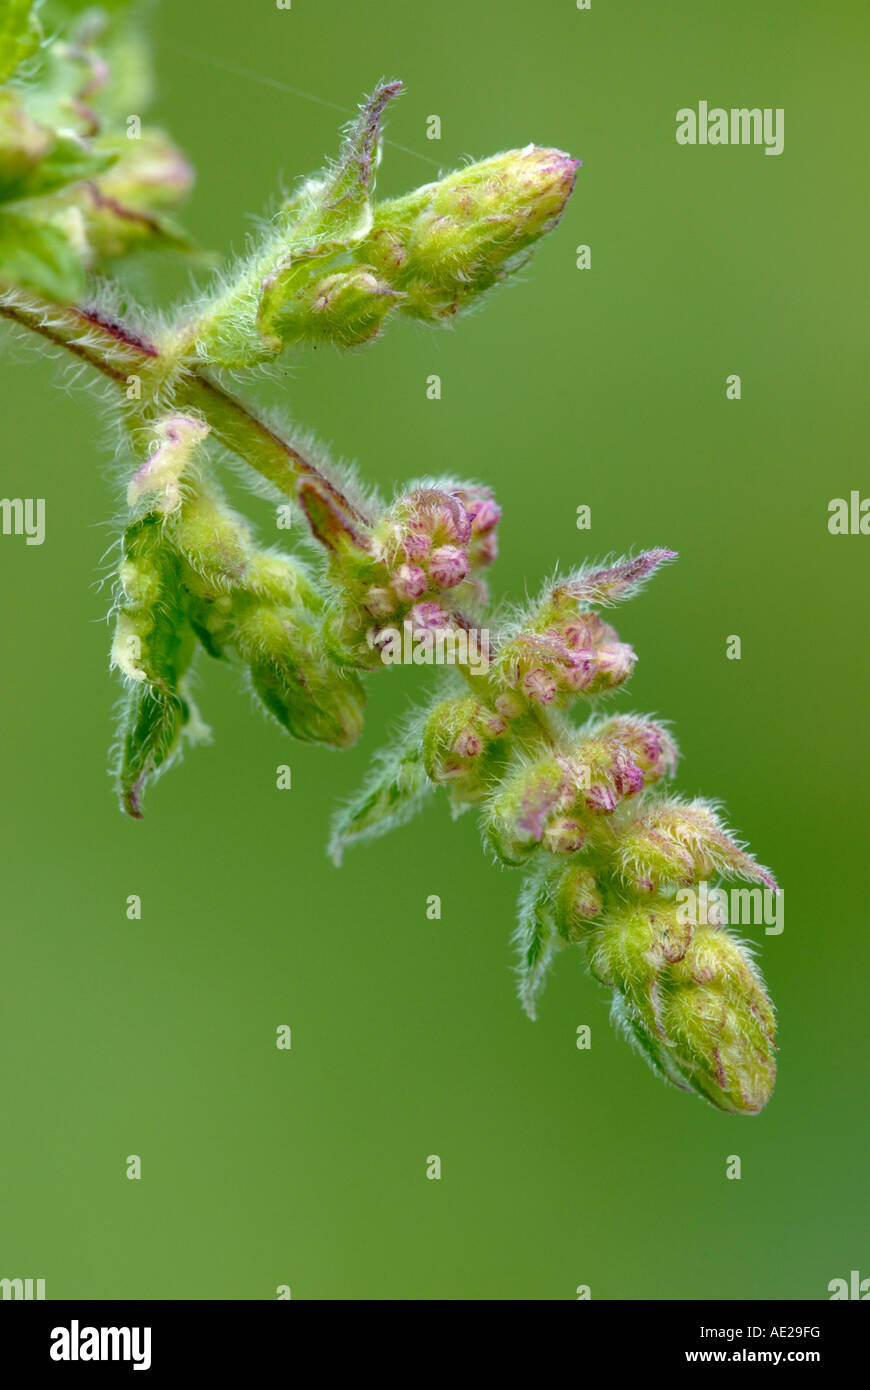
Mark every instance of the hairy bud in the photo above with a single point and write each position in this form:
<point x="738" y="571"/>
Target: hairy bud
<point x="691" y="999"/>
<point x="677" y="842"/>
<point x="445" y="244"/>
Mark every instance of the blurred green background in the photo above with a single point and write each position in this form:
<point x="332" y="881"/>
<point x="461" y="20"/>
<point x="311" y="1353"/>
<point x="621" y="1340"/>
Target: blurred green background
<point x="604" y="387"/>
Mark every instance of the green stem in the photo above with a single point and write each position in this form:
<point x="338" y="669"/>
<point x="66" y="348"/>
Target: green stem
<point x="119" y="353"/>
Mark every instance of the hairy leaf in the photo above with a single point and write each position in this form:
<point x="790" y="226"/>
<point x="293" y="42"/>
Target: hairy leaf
<point x="391" y="795"/>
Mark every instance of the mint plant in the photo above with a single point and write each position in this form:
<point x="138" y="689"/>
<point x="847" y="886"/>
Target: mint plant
<point x="585" y="808"/>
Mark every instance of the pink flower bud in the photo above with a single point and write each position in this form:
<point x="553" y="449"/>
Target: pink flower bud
<point x="468" y="744"/>
<point x="448" y="566"/>
<point x="601" y="800"/>
<point x="616" y="661"/>
<point x="428" y="617"/>
<point x="409" y="582"/>
<point x="441" y="514"/>
<point x="415" y="546"/>
<point x="538" y="686"/>
<point x="485" y="514"/>
<point x="509" y="706"/>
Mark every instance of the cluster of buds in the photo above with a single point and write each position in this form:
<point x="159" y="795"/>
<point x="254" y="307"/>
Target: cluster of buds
<point x="555" y="661"/>
<point x="690" y="997"/>
<point x="604" y="847"/>
<point x="563" y="649"/>
<point x="192" y="573"/>
<point x="676" y="843"/>
<point x="418" y="565"/>
<point x="558" y="801"/>
<point x="337" y="266"/>
<point x="461" y="737"/>
<point x="685" y="991"/>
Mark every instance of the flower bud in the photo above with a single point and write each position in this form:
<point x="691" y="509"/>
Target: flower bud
<point x="448" y="566"/>
<point x="564" y="835"/>
<point x="23" y="144"/>
<point x="345" y="307"/>
<point x="554" y="661"/>
<point x="295" y="677"/>
<point x="409" y="582"/>
<point x="151" y="173"/>
<point x="380" y="602"/>
<point x="445" y="244"/>
<point x="458" y="738"/>
<point x="578" y="901"/>
<point x="158" y="481"/>
<point x="124" y="207"/>
<point x="524" y="804"/>
<point x="650" y="746"/>
<point x="692" y="999"/>
<point x="682" y="843"/>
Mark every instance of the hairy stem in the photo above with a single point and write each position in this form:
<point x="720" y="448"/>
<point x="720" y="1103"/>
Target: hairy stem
<point x="119" y="353"/>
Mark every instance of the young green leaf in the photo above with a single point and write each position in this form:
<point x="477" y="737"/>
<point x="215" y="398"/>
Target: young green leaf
<point x="394" y="790"/>
<point x="40" y="255"/>
<point x="20" y="34"/>
<point x="536" y="940"/>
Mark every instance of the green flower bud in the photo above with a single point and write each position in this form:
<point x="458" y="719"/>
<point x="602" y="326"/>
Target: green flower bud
<point x="691" y="999"/>
<point x="459" y="739"/>
<point x="345" y="307"/>
<point x="449" y="241"/>
<point x="518" y="812"/>
<point x="578" y="901"/>
<point x="296" y="677"/>
<point x="23" y="144"/>
<point x="264" y="606"/>
<point x="150" y="174"/>
<point x="677" y="842"/>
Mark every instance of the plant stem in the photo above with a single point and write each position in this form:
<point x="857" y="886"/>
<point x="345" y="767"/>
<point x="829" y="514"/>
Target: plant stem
<point x="119" y="353"/>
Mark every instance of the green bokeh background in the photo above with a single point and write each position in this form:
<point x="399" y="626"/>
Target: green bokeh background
<point x="604" y="387"/>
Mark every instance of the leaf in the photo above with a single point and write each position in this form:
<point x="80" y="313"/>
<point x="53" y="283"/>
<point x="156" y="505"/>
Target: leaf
<point x="336" y="205"/>
<point x="393" y="792"/>
<point x="153" y="647"/>
<point x="153" y="720"/>
<point x="329" y="214"/>
<point x="613" y="583"/>
<point x="68" y="160"/>
<point x="39" y="255"/>
<point x="20" y="35"/>
<point x="536" y="940"/>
